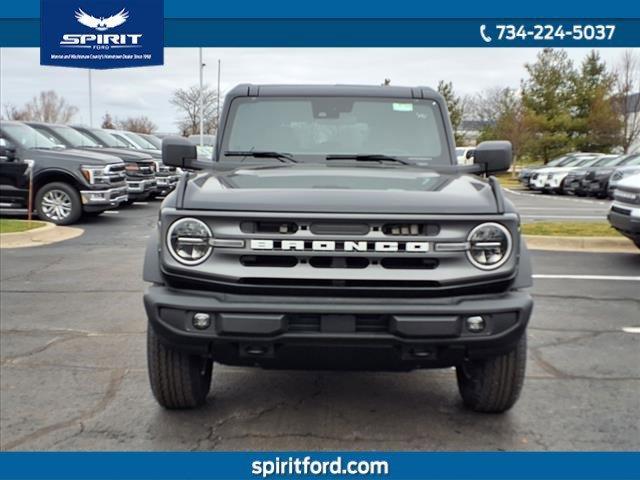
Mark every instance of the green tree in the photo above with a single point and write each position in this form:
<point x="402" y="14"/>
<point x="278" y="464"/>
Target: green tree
<point x="455" y="107"/>
<point x="508" y="120"/>
<point x="548" y="100"/>
<point x="597" y="125"/>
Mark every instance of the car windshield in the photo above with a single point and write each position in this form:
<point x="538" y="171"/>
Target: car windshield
<point x="558" y="161"/>
<point x="586" y="162"/>
<point x="632" y="161"/>
<point x="312" y="128"/>
<point x="153" y="140"/>
<point x="73" y="137"/>
<point x="139" y="141"/>
<point x="107" y="139"/>
<point x="26" y="136"/>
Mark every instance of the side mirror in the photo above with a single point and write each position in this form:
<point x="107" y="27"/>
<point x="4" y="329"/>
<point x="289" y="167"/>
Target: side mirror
<point x="7" y="152"/>
<point x="180" y="152"/>
<point x="494" y="156"/>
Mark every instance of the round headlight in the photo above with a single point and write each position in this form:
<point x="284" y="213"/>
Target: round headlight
<point x="489" y="246"/>
<point x="188" y="240"/>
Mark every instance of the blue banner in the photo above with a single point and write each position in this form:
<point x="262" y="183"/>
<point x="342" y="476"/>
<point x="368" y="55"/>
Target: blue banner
<point x="101" y="34"/>
<point x="392" y="466"/>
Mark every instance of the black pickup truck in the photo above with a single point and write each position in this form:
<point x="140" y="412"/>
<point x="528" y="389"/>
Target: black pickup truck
<point x="66" y="182"/>
<point x="141" y="169"/>
<point x="336" y="229"/>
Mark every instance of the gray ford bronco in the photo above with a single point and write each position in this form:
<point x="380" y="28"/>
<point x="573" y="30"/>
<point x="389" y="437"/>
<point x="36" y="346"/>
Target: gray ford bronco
<point x="334" y="229"/>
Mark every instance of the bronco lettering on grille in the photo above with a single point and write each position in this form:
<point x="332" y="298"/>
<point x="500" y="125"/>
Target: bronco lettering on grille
<point x="340" y="246"/>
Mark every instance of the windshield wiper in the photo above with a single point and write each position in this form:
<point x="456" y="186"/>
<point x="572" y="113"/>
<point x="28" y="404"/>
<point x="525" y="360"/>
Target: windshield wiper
<point x="372" y="157"/>
<point x="283" y="157"/>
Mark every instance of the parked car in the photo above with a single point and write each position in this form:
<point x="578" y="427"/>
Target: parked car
<point x="152" y="139"/>
<point x="66" y="182"/>
<point x="624" y="214"/>
<point x="166" y="177"/>
<point x="526" y="173"/>
<point x="465" y="155"/>
<point x="596" y="180"/>
<point x="205" y="151"/>
<point x="141" y="169"/>
<point x="631" y="167"/>
<point x="550" y="179"/>
<point x="573" y="182"/>
<point x="299" y="250"/>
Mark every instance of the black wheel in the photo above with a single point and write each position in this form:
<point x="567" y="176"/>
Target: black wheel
<point x="58" y="203"/>
<point x="493" y="384"/>
<point x="178" y="380"/>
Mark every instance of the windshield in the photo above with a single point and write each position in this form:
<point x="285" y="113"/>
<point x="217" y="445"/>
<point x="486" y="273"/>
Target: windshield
<point x="635" y="160"/>
<point x="138" y="141"/>
<point x="153" y="140"/>
<point x="73" y="137"/>
<point x="558" y="161"/>
<point x="107" y="139"/>
<point x="586" y="162"/>
<point x="312" y="128"/>
<point x="26" y="136"/>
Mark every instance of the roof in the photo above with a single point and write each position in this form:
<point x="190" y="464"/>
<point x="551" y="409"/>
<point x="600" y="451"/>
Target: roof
<point x="387" y="91"/>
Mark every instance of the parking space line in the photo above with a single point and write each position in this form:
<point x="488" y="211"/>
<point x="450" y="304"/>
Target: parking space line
<point x="617" y="278"/>
<point x="590" y="217"/>
<point x="562" y="198"/>
<point x="111" y="211"/>
<point x="141" y="203"/>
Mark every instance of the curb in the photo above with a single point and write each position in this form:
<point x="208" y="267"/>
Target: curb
<point x="581" y="244"/>
<point x="49" y="233"/>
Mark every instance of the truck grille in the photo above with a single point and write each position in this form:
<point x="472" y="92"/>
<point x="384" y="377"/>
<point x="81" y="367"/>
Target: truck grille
<point x="115" y="173"/>
<point x="332" y="254"/>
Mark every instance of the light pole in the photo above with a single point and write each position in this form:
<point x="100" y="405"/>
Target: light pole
<point x="218" y="100"/>
<point x="201" y="101"/>
<point x="90" y="102"/>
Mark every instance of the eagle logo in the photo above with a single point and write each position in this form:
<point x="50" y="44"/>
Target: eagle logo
<point x="101" y="24"/>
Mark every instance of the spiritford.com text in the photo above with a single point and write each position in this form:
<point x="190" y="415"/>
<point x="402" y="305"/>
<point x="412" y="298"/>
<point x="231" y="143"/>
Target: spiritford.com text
<point x="308" y="466"/>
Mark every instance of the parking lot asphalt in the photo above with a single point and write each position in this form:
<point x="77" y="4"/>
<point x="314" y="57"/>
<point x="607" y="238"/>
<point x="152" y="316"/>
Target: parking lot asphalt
<point x="73" y="369"/>
<point x="536" y="206"/>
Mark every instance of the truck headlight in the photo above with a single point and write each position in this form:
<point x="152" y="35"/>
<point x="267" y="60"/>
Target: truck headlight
<point x="93" y="174"/>
<point x="189" y="241"/>
<point x="490" y="245"/>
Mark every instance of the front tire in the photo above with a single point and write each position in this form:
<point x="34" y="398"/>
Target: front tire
<point x="178" y="380"/>
<point x="493" y="385"/>
<point x="59" y="203"/>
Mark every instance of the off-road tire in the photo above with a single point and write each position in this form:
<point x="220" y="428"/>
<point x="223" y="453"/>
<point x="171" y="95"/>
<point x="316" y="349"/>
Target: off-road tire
<point x="492" y="385"/>
<point x="178" y="380"/>
<point x="73" y="196"/>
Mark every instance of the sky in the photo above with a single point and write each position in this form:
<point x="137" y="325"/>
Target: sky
<point x="147" y="90"/>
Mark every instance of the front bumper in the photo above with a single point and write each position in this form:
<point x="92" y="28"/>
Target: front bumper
<point x="248" y="329"/>
<point x="103" y="199"/>
<point x="165" y="184"/>
<point x="596" y="187"/>
<point x="626" y="219"/>
<point x="140" y="187"/>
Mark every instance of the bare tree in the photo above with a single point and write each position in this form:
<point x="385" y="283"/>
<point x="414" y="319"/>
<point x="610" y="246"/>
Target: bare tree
<point x="51" y="108"/>
<point x="107" y="122"/>
<point x="11" y="112"/>
<point x="187" y="101"/>
<point x="628" y="98"/>
<point x="141" y="124"/>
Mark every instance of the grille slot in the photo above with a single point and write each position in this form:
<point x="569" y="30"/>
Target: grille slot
<point x="268" y="261"/>
<point x="401" y="263"/>
<point x="326" y="228"/>
<point x="339" y="262"/>
<point x="269" y="227"/>
<point x="622" y="211"/>
<point x="363" y="323"/>
<point x="414" y="229"/>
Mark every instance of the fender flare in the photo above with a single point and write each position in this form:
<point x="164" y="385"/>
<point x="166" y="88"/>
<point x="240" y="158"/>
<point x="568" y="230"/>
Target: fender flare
<point x="151" y="269"/>
<point x="524" y="278"/>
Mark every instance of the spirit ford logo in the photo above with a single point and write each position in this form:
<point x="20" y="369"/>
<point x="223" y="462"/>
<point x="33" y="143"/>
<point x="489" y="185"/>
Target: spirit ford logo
<point x="342" y="246"/>
<point x="101" y="24"/>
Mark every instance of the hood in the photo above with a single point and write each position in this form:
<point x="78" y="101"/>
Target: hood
<point x="323" y="188"/>
<point x="123" y="154"/>
<point x="81" y="157"/>
<point x="632" y="182"/>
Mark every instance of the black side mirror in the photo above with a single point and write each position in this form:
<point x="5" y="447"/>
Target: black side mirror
<point x="494" y="156"/>
<point x="180" y="152"/>
<point x="7" y="151"/>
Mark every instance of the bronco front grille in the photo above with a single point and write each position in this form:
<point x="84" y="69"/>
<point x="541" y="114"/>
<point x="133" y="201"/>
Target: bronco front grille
<point x="339" y="255"/>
